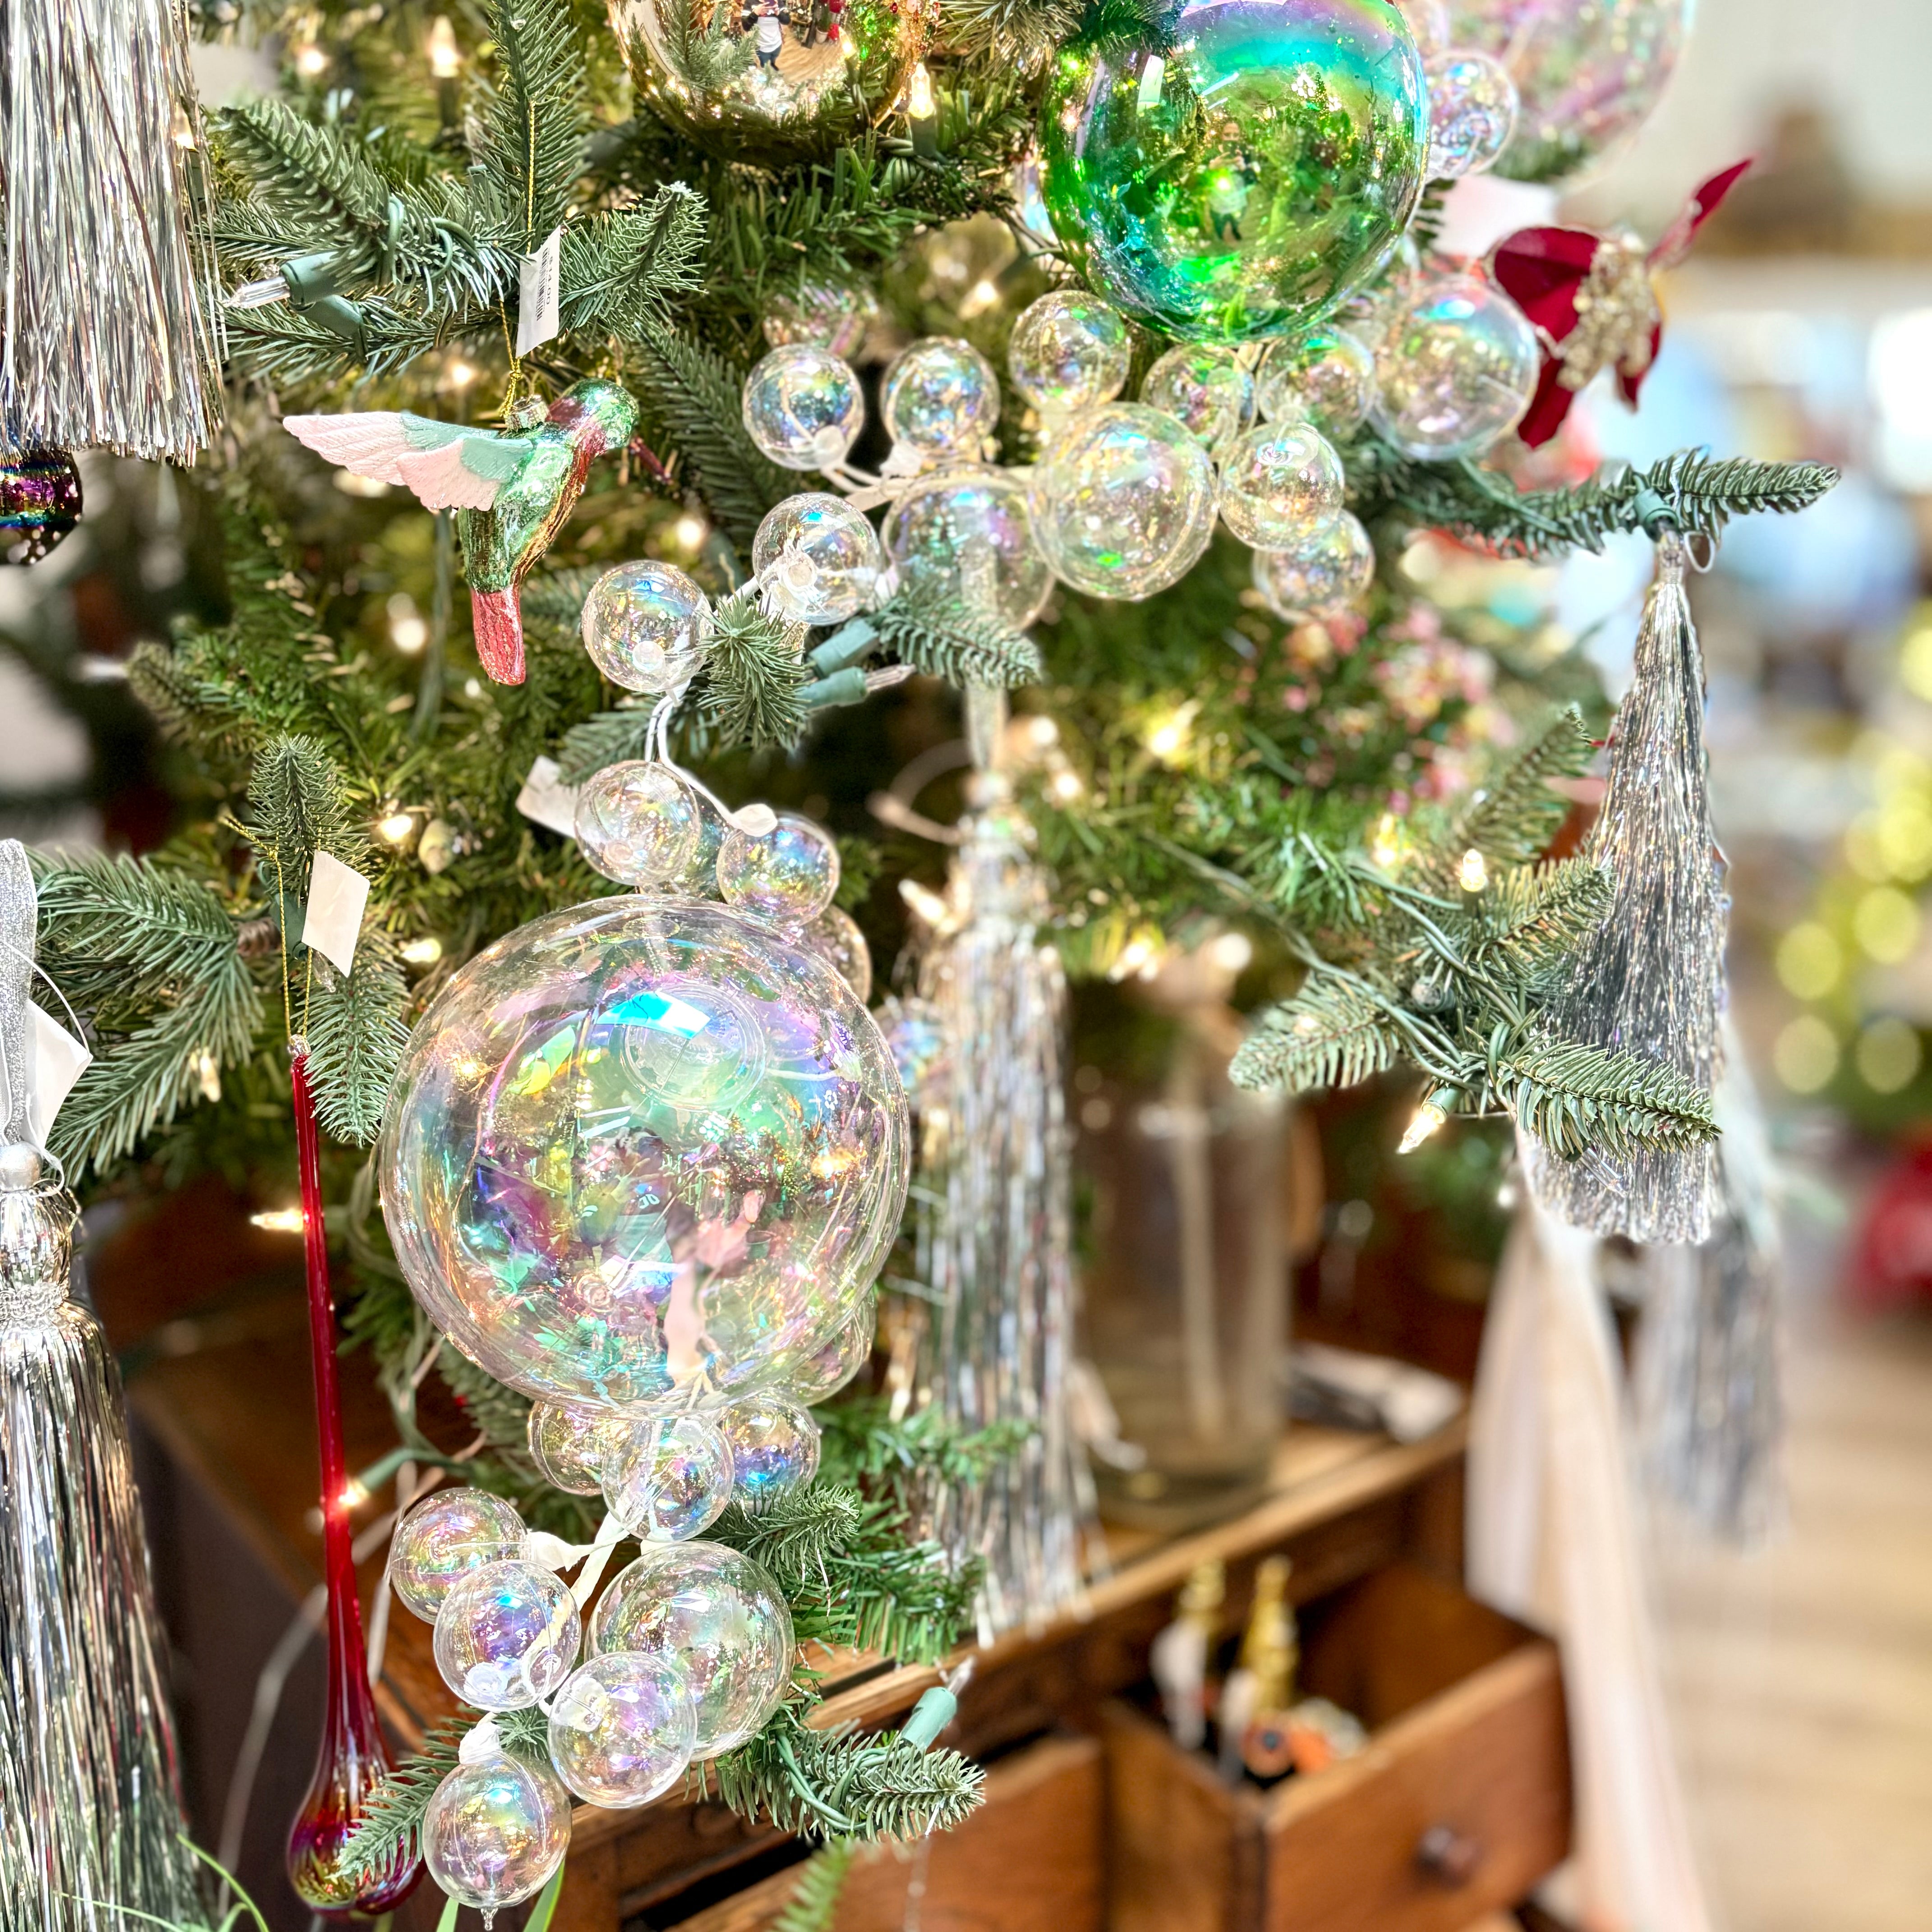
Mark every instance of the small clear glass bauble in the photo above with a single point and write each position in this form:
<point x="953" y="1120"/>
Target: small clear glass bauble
<point x="818" y="558"/>
<point x="569" y="1445"/>
<point x="647" y="626"/>
<point x="941" y="398"/>
<point x="1236" y="178"/>
<point x="639" y="822"/>
<point x="1281" y="483"/>
<point x="1329" y="574"/>
<point x="967" y="534"/>
<point x="830" y="315"/>
<point x="1472" y="111"/>
<point x="803" y="407"/>
<point x="495" y="1830"/>
<point x="1124" y="502"/>
<point x="1204" y="389"/>
<point x="622" y="1728"/>
<point x="507" y="1636"/>
<point x="1456" y="371"/>
<point x="1068" y="352"/>
<point x="1588" y="73"/>
<point x="787" y="877"/>
<point x="668" y="1477"/>
<point x="438" y="1541"/>
<point x="723" y="1618"/>
<point x="641" y="1146"/>
<point x="774" y="1447"/>
<point x="1327" y="378"/>
<point x="839" y="1360"/>
<point x="834" y="936"/>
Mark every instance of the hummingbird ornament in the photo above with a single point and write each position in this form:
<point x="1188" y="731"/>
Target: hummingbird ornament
<point x="512" y="490"/>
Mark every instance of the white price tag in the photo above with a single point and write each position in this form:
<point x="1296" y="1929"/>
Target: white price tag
<point x="547" y="801"/>
<point x="537" y="278"/>
<point x="337" y="894"/>
<point x="59" y="1060"/>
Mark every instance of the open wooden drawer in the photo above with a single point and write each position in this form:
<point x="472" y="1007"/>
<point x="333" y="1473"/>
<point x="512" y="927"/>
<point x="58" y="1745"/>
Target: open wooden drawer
<point x="1460" y="1802"/>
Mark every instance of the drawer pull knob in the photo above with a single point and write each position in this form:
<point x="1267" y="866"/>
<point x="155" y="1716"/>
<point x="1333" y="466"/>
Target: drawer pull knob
<point x="1448" y="1856"/>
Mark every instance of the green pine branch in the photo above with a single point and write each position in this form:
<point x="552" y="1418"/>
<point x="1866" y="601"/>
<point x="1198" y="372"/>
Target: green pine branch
<point x="943" y="639"/>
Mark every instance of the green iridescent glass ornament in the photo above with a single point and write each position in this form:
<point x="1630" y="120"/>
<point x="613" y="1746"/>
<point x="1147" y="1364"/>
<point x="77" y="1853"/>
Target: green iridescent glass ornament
<point x="1241" y="181"/>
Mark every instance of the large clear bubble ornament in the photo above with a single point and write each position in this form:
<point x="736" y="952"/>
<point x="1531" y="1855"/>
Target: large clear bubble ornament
<point x="966" y="535"/>
<point x="647" y="626"/>
<point x="1327" y="378"/>
<point x="578" y="1173"/>
<point x="723" y="1619"/>
<point x="1124" y="503"/>
<point x="817" y="559"/>
<point x="668" y="1478"/>
<point x="507" y="1636"/>
<point x="1472" y="111"/>
<point x="1204" y="389"/>
<point x="1068" y="352"/>
<point x="568" y="1446"/>
<point x="832" y="315"/>
<point x="639" y="822"/>
<point x="1456" y="371"/>
<point x="438" y="1541"/>
<point x="494" y="1831"/>
<point x="940" y="399"/>
<point x="622" y="1728"/>
<point x="1323" y="578"/>
<point x="787" y="877"/>
<point x="774" y="1444"/>
<point x="1281" y="484"/>
<point x="803" y="407"/>
<point x="834" y="936"/>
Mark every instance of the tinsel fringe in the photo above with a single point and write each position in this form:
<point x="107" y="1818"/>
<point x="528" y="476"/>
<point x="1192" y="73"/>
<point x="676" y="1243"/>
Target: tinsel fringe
<point x="110" y="335"/>
<point x="1651" y="979"/>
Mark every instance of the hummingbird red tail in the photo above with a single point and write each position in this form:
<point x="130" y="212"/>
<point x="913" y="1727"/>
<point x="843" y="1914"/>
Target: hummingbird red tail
<point x="498" y="621"/>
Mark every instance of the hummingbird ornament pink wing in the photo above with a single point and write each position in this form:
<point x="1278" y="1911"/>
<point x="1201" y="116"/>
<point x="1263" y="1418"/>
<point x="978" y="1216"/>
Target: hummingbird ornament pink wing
<point x="448" y="466"/>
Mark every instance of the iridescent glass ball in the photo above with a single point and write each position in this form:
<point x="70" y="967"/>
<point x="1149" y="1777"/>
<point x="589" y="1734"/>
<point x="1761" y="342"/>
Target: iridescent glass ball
<point x="495" y="1830"/>
<point x="1456" y="371"/>
<point x="642" y="1147"/>
<point x="1124" y="502"/>
<point x="1472" y="111"/>
<point x="1240" y="182"/>
<point x="569" y="1445"/>
<point x="438" y="1541"/>
<point x="1280" y="484"/>
<point x="646" y="627"/>
<point x="723" y="1618"/>
<point x="774" y="1447"/>
<point x="1068" y="352"/>
<point x="507" y="1636"/>
<point x="1327" y="377"/>
<point x="639" y="822"/>
<point x="622" y="1728"/>
<point x="803" y="407"/>
<point x="818" y="558"/>
<point x="1321" y="578"/>
<point x="941" y="398"/>
<point x="668" y="1477"/>
<point x="787" y="877"/>
<point x="1204" y="389"/>
<point x="966" y="535"/>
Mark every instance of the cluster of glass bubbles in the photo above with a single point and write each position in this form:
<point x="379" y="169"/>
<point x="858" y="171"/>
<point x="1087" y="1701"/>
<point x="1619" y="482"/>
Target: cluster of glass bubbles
<point x="687" y="1655"/>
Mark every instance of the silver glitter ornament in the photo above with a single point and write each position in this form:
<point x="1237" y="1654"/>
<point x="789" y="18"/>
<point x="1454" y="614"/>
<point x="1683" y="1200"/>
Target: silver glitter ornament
<point x="110" y="340"/>
<point x="1650" y="980"/>
<point x="91" y="1819"/>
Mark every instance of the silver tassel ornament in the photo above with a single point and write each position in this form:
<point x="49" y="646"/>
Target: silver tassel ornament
<point x="91" y="1819"/>
<point x="1710" y="1411"/>
<point x="994" y="1233"/>
<point x="1650" y="980"/>
<point x="111" y="340"/>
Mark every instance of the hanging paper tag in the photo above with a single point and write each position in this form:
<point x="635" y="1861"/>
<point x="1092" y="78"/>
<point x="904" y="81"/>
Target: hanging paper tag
<point x="547" y="800"/>
<point x="337" y="894"/>
<point x="537" y="277"/>
<point x="59" y="1060"/>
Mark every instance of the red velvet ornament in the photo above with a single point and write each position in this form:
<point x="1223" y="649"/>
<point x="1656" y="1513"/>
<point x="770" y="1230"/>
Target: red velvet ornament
<point x="1591" y="299"/>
